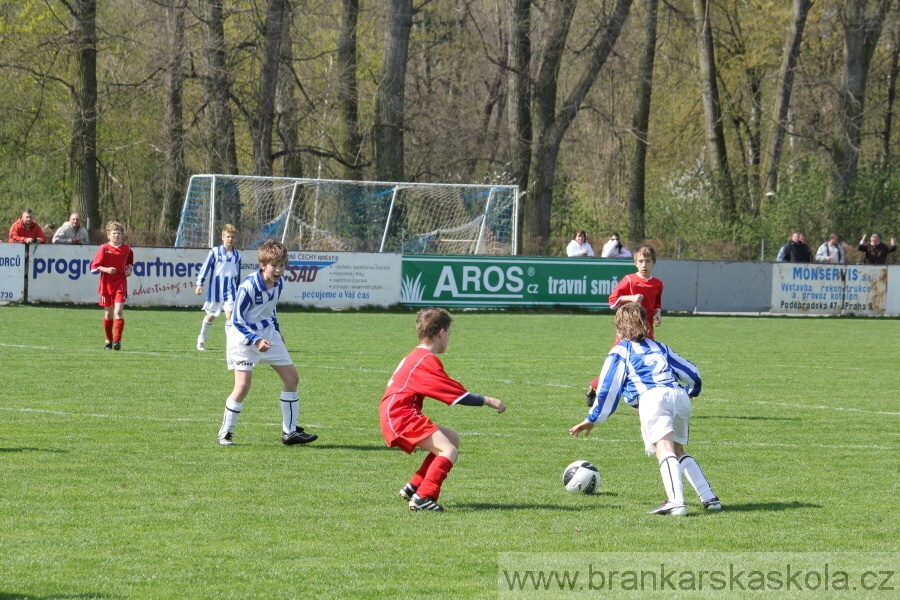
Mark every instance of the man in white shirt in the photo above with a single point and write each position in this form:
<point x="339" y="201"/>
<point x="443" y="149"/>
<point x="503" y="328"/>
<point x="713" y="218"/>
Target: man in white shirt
<point x="71" y="232"/>
<point x="831" y="251"/>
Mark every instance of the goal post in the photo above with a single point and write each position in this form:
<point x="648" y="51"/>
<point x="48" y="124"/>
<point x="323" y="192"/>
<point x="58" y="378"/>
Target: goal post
<point x="352" y="216"/>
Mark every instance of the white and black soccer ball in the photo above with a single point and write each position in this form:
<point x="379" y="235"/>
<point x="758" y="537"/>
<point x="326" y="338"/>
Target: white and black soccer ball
<point x="581" y="477"/>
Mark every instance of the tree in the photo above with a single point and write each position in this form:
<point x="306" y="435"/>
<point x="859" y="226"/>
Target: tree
<point x="274" y="33"/>
<point x="348" y="103"/>
<point x="221" y="149"/>
<point x="389" y="155"/>
<point x="84" y="124"/>
<point x="175" y="172"/>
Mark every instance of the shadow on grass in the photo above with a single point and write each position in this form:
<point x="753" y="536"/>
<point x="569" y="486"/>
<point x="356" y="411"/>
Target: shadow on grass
<point x="326" y="446"/>
<point x="478" y="506"/>
<point x="51" y="450"/>
<point x="8" y="596"/>
<point x="746" y="418"/>
<point x="769" y="506"/>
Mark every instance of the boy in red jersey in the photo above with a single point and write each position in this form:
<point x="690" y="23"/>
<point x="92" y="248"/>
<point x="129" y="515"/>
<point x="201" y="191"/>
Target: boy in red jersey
<point x="114" y="261"/>
<point x="404" y="426"/>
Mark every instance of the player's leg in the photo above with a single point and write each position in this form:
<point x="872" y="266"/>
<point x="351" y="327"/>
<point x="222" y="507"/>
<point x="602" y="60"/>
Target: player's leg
<point x="656" y="409"/>
<point x="205" y="324"/>
<point x="108" y="324"/>
<point x="695" y="476"/>
<point x="291" y="434"/>
<point x="118" y="321"/>
<point x="444" y="445"/>
<point x="243" y="377"/>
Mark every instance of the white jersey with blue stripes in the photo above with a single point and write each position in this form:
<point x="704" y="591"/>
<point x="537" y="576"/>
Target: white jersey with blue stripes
<point x="224" y="269"/>
<point x="254" y="307"/>
<point x="632" y="368"/>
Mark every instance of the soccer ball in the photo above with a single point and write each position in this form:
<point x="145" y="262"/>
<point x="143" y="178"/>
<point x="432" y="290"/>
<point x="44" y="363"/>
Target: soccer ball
<point x="581" y="477"/>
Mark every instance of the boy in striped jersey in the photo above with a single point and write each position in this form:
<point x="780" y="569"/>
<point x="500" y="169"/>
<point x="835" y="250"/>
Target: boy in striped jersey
<point x="223" y="267"/>
<point x="647" y="373"/>
<point x="254" y="338"/>
<point x="404" y="426"/>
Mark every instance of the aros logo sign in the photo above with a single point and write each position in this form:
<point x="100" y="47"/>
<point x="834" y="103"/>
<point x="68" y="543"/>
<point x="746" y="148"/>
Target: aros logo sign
<point x="484" y="281"/>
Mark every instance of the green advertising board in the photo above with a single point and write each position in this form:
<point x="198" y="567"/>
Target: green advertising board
<point x="503" y="281"/>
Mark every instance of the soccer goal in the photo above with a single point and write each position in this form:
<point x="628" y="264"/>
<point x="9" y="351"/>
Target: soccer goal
<point x="351" y="216"/>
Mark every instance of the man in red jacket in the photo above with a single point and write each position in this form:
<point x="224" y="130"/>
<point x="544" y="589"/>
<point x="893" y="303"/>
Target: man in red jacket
<point x="26" y="230"/>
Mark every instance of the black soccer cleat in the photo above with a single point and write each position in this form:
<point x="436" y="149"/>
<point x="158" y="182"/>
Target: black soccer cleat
<point x="297" y="436"/>
<point x="117" y="345"/>
<point x="226" y="440"/>
<point x="408" y="491"/>
<point x="712" y="504"/>
<point x="417" y="503"/>
<point x="108" y="345"/>
<point x="677" y="509"/>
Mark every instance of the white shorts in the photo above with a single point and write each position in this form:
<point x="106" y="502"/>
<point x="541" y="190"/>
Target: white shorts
<point x="244" y="358"/>
<point x="215" y="308"/>
<point x="663" y="410"/>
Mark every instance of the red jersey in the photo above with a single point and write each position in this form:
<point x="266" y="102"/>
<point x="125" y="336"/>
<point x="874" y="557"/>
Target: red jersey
<point x="119" y="257"/>
<point x="651" y="289"/>
<point x="420" y="374"/>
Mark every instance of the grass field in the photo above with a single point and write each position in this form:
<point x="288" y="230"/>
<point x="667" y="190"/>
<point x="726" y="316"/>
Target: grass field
<point x="112" y="486"/>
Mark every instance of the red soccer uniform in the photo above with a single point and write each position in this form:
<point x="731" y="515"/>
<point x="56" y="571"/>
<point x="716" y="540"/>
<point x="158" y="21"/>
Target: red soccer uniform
<point x="420" y="374"/>
<point x="113" y="288"/>
<point x="632" y="284"/>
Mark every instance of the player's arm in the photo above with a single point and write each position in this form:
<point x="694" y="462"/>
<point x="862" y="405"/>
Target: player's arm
<point x="686" y="371"/>
<point x="242" y="304"/>
<point x="471" y="399"/>
<point x="205" y="270"/>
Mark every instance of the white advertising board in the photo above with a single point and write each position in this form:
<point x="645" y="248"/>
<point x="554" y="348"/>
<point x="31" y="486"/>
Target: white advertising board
<point x="813" y="289"/>
<point x="342" y="279"/>
<point x="166" y="277"/>
<point x="12" y="273"/>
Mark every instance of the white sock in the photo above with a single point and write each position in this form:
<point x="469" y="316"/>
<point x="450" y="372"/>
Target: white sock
<point x="232" y="412"/>
<point x="694" y="474"/>
<point x="290" y="409"/>
<point x="670" y="471"/>
<point x="228" y="327"/>
<point x="204" y="329"/>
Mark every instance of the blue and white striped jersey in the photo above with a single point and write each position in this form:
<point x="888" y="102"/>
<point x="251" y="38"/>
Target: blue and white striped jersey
<point x="254" y="307"/>
<point x="224" y="270"/>
<point x="632" y="368"/>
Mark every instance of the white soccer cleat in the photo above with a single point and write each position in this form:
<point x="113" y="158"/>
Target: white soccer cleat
<point x="201" y="344"/>
<point x="670" y="508"/>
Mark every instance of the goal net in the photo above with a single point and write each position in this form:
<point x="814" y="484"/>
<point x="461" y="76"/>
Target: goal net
<point x="351" y="216"/>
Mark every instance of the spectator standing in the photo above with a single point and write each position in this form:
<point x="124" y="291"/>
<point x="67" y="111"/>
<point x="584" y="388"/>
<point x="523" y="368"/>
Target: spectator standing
<point x="71" y="232"/>
<point x="795" y="250"/>
<point x="614" y="248"/>
<point x="26" y="230"/>
<point x="579" y="247"/>
<point x="876" y="250"/>
<point x="831" y="251"/>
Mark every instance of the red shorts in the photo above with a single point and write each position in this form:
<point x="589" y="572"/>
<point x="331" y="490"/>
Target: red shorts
<point x="403" y="426"/>
<point x="115" y="295"/>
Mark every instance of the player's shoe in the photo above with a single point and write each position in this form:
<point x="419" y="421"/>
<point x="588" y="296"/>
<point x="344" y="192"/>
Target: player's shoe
<point x="108" y="345"/>
<point x="712" y="504"/>
<point x="117" y="345"/>
<point x="677" y="509"/>
<point x="226" y="440"/>
<point x="298" y="437"/>
<point x="201" y="344"/>
<point x="408" y="491"/>
<point x="417" y="503"/>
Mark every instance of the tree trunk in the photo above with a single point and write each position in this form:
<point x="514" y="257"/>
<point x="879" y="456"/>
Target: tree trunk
<point x="389" y="159"/>
<point x="550" y="125"/>
<point x="286" y="107"/>
<point x="268" y="82"/>
<point x="85" y="184"/>
<point x="712" y="114"/>
<point x="348" y="101"/>
<point x="861" y="33"/>
<point x="175" y="173"/>
<point x="783" y="97"/>
<point x="891" y="100"/>
<point x="520" y="126"/>
<point x="221" y="149"/>
<point x="640" y="124"/>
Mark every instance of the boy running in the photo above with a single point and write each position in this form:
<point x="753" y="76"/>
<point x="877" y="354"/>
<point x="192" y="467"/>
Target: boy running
<point x="641" y="287"/>
<point x="255" y="337"/>
<point x="646" y="374"/>
<point x="223" y="267"/>
<point x="404" y="426"/>
<point x="114" y="261"/>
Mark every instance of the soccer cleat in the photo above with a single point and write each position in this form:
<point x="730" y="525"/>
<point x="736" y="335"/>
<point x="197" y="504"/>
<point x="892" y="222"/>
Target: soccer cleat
<point x="297" y="437"/>
<point x="417" y="503"/>
<point x="201" y="344"/>
<point x="117" y="345"/>
<point x="408" y="491"/>
<point x="226" y="440"/>
<point x="108" y="345"/>
<point x="712" y="504"/>
<point x="669" y="508"/>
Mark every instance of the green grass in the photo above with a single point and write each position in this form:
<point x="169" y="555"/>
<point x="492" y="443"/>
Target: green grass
<point x="112" y="486"/>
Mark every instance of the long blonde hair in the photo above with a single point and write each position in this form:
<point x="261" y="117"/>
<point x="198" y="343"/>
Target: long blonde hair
<point x="631" y="322"/>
